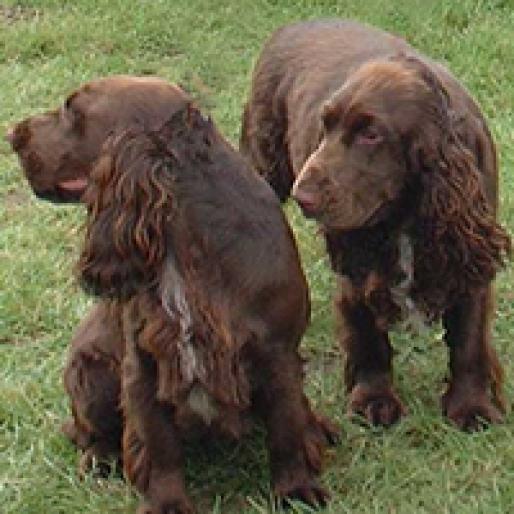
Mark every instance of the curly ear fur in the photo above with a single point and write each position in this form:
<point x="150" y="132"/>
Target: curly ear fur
<point x="129" y="203"/>
<point x="459" y="245"/>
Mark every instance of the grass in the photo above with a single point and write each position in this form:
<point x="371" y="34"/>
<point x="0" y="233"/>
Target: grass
<point x="422" y="465"/>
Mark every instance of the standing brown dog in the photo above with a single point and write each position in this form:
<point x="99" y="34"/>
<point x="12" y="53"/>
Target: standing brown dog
<point x="394" y="159"/>
<point x="196" y="250"/>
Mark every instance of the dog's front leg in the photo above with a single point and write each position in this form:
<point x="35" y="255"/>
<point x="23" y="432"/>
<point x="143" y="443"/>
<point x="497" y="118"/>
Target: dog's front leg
<point x="476" y="375"/>
<point x="151" y="422"/>
<point x="368" y="368"/>
<point x="288" y="419"/>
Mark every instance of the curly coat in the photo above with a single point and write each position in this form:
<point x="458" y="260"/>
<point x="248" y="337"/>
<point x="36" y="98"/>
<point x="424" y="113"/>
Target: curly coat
<point x="176" y="224"/>
<point x="394" y="159"/>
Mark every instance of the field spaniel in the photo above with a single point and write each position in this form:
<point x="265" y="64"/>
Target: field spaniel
<point x="392" y="156"/>
<point x="194" y="249"/>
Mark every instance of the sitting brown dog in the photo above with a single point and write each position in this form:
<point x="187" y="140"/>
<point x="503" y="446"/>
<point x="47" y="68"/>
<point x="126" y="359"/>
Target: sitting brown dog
<point x="394" y="159"/>
<point x="196" y="250"/>
<point x="57" y="151"/>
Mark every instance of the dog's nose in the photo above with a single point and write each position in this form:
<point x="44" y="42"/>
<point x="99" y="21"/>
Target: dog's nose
<point x="9" y="135"/>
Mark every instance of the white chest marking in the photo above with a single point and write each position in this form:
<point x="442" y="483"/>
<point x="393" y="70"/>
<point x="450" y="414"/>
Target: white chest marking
<point x="202" y="403"/>
<point x="174" y="302"/>
<point x="412" y="317"/>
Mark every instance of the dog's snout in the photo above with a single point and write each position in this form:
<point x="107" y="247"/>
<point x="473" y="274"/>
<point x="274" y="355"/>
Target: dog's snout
<point x="307" y="198"/>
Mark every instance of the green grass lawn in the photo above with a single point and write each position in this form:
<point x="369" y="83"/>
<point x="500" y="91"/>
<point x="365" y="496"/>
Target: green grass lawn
<point x="49" y="47"/>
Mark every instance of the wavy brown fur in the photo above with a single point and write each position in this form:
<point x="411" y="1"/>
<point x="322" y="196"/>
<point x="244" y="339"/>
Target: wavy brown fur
<point x="458" y="243"/>
<point x="394" y="159"/>
<point x="176" y="224"/>
<point x="131" y="227"/>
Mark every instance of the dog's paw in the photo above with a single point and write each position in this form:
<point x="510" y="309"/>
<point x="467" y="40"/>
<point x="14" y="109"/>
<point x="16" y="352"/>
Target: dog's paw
<point x="470" y="410"/>
<point x="377" y="405"/>
<point x="301" y="488"/>
<point x="324" y="430"/>
<point x="100" y="465"/>
<point x="319" y="433"/>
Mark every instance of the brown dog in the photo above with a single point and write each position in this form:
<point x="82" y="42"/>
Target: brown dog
<point x="196" y="250"/>
<point x="49" y="148"/>
<point x="394" y="159"/>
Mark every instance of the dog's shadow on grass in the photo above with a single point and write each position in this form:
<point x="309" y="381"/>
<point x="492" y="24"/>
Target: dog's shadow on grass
<point x="221" y="475"/>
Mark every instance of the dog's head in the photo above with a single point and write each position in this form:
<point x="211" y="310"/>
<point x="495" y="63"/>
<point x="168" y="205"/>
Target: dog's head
<point x="391" y="131"/>
<point x="57" y="149"/>
<point x="360" y="166"/>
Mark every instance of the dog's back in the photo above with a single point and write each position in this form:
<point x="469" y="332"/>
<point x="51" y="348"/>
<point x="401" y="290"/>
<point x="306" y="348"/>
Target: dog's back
<point x="237" y="228"/>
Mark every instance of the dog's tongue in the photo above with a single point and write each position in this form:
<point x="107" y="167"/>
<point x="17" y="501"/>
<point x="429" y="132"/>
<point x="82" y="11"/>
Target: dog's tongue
<point x="76" y="184"/>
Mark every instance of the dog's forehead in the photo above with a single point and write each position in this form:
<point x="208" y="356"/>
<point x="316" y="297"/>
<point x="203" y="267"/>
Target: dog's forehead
<point x="104" y="96"/>
<point x="383" y="73"/>
<point x="125" y="93"/>
<point x="381" y="77"/>
<point x="381" y="88"/>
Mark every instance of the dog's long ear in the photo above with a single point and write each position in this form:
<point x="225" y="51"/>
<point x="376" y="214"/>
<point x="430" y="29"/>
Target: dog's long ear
<point x="129" y="204"/>
<point x="461" y="241"/>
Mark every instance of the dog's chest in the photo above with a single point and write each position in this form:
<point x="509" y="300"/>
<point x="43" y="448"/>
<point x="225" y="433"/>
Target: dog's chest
<point x="202" y="371"/>
<point x="411" y="315"/>
<point x="191" y="362"/>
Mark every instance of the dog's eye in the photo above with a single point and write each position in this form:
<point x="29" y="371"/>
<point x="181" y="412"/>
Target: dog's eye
<point x="368" y="136"/>
<point x="364" y="130"/>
